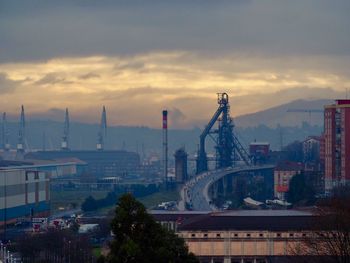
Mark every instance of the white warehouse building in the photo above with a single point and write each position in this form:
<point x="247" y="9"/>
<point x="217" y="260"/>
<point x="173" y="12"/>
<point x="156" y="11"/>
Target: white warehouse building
<point x="23" y="193"/>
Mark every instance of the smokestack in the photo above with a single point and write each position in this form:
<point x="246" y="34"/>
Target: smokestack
<point x="165" y="144"/>
<point x="65" y="138"/>
<point x="21" y="132"/>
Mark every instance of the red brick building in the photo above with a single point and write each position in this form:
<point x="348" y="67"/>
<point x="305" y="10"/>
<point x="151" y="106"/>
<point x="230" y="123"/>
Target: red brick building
<point x="337" y="144"/>
<point x="284" y="172"/>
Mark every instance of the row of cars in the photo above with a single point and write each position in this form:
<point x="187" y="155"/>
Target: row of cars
<point x="42" y="224"/>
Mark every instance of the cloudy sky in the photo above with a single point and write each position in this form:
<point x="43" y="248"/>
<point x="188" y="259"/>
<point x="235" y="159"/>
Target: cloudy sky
<point x="138" y="57"/>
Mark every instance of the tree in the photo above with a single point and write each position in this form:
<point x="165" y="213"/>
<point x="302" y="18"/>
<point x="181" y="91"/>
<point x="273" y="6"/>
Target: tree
<point x="89" y="204"/>
<point x="301" y="190"/>
<point x="329" y="240"/>
<point x="54" y="246"/>
<point x="294" y="151"/>
<point x="138" y="238"/>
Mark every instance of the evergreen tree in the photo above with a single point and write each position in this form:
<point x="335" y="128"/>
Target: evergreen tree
<point x="301" y="190"/>
<point x="139" y="239"/>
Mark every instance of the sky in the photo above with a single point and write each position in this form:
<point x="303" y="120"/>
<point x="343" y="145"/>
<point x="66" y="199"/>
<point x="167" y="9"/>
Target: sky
<point x="139" y="57"/>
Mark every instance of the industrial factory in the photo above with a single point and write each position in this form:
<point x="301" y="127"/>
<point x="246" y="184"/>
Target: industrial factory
<point x="99" y="162"/>
<point x="27" y="177"/>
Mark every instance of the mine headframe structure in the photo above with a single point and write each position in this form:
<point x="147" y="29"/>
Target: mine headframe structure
<point x="228" y="147"/>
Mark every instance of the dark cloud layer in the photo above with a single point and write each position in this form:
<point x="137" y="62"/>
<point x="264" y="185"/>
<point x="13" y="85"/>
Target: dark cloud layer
<point x="38" y="29"/>
<point x="51" y="79"/>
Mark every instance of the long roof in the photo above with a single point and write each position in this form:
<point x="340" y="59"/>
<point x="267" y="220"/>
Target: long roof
<point x="239" y="220"/>
<point x="258" y="222"/>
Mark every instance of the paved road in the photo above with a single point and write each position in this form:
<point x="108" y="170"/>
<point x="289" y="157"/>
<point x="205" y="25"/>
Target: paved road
<point x="195" y="191"/>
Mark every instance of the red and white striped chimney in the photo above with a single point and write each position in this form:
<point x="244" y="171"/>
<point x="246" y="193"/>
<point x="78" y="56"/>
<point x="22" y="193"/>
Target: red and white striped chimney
<point x="165" y="144"/>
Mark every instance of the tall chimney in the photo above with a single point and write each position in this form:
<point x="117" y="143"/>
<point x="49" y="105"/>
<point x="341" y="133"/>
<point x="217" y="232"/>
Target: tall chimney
<point x="165" y="144"/>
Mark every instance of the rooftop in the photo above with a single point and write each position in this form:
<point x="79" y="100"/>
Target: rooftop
<point x="262" y="220"/>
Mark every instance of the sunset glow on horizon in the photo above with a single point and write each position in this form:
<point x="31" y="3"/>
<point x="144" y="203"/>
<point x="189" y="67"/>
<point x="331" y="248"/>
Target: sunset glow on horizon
<point x="138" y="59"/>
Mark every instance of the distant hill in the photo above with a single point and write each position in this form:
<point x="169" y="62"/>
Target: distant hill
<point x="278" y="115"/>
<point x="83" y="136"/>
<point x="260" y="126"/>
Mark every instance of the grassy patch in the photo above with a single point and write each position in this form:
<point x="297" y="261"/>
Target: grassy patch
<point x="66" y="198"/>
<point x="164" y="196"/>
<point x="96" y="252"/>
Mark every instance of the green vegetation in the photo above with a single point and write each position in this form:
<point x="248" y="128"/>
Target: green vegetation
<point x="72" y="199"/>
<point x="138" y="238"/>
<point x="97" y="252"/>
<point x="301" y="190"/>
<point x="92" y="204"/>
<point x="54" y="246"/>
<point x="153" y="200"/>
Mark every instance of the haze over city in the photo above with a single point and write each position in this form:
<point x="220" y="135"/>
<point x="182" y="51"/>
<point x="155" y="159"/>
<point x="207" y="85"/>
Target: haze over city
<point x="174" y="131"/>
<point x="137" y="58"/>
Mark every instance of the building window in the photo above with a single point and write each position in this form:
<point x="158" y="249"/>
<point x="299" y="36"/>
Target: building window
<point x="218" y="235"/>
<point x="193" y="235"/>
<point x="261" y="235"/>
<point x="205" y="235"/>
<point x="248" y="235"/>
<point x="291" y="234"/>
<point x="304" y="235"/>
<point x="235" y="235"/>
<point x="278" y="234"/>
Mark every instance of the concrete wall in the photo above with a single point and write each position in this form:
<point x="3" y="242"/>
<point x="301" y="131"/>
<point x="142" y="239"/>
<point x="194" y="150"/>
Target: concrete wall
<point x="230" y="245"/>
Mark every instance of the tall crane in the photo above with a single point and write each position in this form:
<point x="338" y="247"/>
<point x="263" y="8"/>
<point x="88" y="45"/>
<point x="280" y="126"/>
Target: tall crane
<point x="65" y="137"/>
<point x="309" y="111"/>
<point x="102" y="133"/>
<point x="5" y="134"/>
<point x="21" y="133"/>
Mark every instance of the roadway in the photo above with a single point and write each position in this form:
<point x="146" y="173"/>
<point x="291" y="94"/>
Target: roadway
<point x="195" y="191"/>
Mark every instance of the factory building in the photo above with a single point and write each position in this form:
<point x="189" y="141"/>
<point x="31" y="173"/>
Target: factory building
<point x="243" y="236"/>
<point x="25" y="187"/>
<point x="24" y="193"/>
<point x="99" y="163"/>
<point x="181" y="166"/>
<point x="337" y="144"/>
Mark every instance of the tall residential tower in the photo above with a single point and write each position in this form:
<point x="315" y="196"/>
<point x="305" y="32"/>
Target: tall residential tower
<point x="337" y="144"/>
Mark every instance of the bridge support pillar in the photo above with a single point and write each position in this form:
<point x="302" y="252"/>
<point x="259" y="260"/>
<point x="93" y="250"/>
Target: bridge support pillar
<point x="215" y="190"/>
<point x="225" y="185"/>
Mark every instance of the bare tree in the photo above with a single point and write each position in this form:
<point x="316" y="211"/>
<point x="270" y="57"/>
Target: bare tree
<point x="329" y="236"/>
